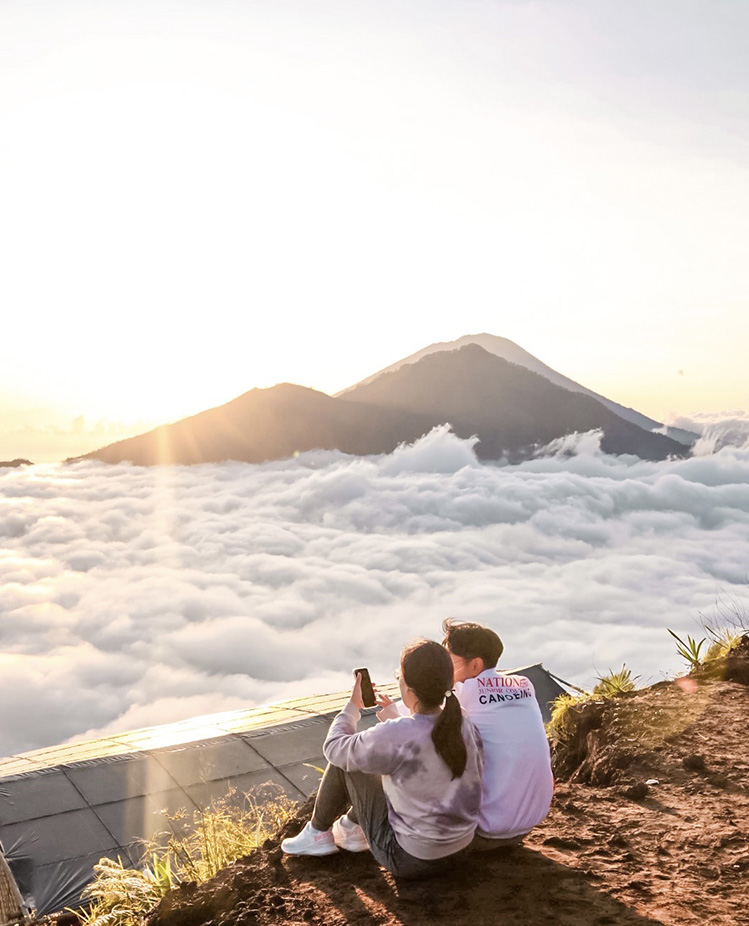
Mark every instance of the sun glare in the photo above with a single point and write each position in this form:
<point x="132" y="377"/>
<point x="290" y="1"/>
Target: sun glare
<point x="203" y="199"/>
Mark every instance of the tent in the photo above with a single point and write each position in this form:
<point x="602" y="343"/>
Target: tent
<point x="63" y="808"/>
<point x="546" y="686"/>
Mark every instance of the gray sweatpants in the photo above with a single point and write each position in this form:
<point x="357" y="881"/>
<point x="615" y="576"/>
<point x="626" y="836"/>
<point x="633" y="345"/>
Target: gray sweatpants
<point x="340" y="790"/>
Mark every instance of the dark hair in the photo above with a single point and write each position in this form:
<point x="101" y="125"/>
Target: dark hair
<point x="428" y="671"/>
<point x="467" y="640"/>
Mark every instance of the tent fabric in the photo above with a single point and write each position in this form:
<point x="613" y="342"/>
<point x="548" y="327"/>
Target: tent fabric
<point x="63" y="808"/>
<point x="546" y="686"/>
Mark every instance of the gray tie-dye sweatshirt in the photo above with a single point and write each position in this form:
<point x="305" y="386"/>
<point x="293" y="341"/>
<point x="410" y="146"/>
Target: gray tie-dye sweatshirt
<point x="432" y="814"/>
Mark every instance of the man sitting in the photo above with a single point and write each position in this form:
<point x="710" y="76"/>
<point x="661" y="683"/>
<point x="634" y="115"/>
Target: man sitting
<point x="518" y="783"/>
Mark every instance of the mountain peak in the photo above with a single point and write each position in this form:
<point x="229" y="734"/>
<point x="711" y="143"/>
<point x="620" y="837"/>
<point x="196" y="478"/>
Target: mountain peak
<point x="482" y="385"/>
<point x="510" y="351"/>
<point x="510" y="408"/>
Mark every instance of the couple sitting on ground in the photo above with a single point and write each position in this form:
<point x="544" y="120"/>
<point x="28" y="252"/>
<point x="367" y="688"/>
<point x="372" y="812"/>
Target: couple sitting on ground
<point x="462" y="762"/>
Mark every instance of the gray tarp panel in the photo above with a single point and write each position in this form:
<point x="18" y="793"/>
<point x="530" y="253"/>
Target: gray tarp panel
<point x="63" y="808"/>
<point x="213" y="761"/>
<point x="546" y="687"/>
<point x="57" y="836"/>
<point x="47" y="792"/>
<point x="59" y="885"/>
<point x="131" y="777"/>
<point x="204" y="794"/>
<point x="285" y="746"/>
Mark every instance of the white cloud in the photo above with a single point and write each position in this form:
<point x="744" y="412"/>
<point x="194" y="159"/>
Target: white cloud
<point x="717" y="429"/>
<point x="133" y="596"/>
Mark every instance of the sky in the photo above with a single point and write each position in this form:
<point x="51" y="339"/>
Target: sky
<point x="198" y="198"/>
<point x="136" y="596"/>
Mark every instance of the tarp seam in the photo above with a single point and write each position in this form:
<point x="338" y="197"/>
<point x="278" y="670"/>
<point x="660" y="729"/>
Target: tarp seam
<point x="261" y="756"/>
<point x="178" y="786"/>
<point x="93" y="811"/>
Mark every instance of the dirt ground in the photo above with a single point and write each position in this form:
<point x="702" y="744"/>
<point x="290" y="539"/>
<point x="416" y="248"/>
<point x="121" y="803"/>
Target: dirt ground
<point x="613" y="850"/>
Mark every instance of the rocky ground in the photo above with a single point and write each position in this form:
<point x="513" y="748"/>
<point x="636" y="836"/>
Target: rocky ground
<point x="649" y="825"/>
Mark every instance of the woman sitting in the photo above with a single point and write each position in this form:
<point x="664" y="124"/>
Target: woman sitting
<point x="413" y="783"/>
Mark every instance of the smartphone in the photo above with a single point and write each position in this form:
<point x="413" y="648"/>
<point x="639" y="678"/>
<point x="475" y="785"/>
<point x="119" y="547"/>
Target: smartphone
<point x="367" y="692"/>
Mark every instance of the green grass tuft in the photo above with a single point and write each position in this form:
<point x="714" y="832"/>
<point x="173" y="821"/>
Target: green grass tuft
<point x="689" y="649"/>
<point x="563" y="719"/>
<point x="615" y="683"/>
<point x="121" y="896"/>
<point x="564" y="710"/>
<point x="722" y="641"/>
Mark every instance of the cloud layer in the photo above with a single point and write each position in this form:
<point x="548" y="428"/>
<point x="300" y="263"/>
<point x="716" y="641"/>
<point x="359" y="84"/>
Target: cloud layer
<point x="718" y="429"/>
<point x="133" y="596"/>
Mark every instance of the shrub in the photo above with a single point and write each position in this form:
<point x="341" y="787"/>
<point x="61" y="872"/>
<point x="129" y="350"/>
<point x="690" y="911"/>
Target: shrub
<point x="723" y="639"/>
<point x="563" y="719"/>
<point x="565" y="711"/>
<point x="727" y="625"/>
<point x="615" y="683"/>
<point x="121" y="896"/>
<point x="722" y="642"/>
<point x="225" y="833"/>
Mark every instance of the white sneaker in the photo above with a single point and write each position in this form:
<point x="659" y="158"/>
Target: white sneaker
<point x="349" y="836"/>
<point x="310" y="842"/>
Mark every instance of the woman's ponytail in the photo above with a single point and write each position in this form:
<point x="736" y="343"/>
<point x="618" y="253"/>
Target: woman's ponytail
<point x="428" y="672"/>
<point x="448" y="737"/>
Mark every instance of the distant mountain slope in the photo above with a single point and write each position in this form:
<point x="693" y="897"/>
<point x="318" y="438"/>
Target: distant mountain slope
<point x="508" y="406"/>
<point x="269" y="424"/>
<point x="510" y="409"/>
<point x="508" y="350"/>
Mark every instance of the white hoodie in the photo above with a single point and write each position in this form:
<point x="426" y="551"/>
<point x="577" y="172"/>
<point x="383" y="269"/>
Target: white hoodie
<point x="518" y="783"/>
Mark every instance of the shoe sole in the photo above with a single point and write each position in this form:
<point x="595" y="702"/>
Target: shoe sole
<point x="358" y="848"/>
<point x="328" y="850"/>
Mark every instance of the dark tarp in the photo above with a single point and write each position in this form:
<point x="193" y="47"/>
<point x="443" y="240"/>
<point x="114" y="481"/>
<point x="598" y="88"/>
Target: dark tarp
<point x="546" y="686"/>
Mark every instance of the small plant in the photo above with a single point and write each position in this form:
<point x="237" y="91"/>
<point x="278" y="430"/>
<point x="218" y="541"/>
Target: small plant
<point x="722" y="641"/>
<point x="615" y="683"/>
<point x="122" y="896"/>
<point x="689" y="650"/>
<point x="225" y="833"/>
<point x="563" y="720"/>
<point x="728" y="623"/>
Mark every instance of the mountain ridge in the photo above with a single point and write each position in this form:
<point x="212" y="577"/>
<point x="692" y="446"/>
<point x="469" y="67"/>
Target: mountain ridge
<point x="511" y="409"/>
<point x="512" y="352"/>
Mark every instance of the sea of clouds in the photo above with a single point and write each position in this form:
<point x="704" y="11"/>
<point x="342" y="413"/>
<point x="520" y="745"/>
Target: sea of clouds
<point x="134" y="596"/>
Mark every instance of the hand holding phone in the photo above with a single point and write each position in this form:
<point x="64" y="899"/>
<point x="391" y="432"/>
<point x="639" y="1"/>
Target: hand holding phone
<point x="367" y="691"/>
